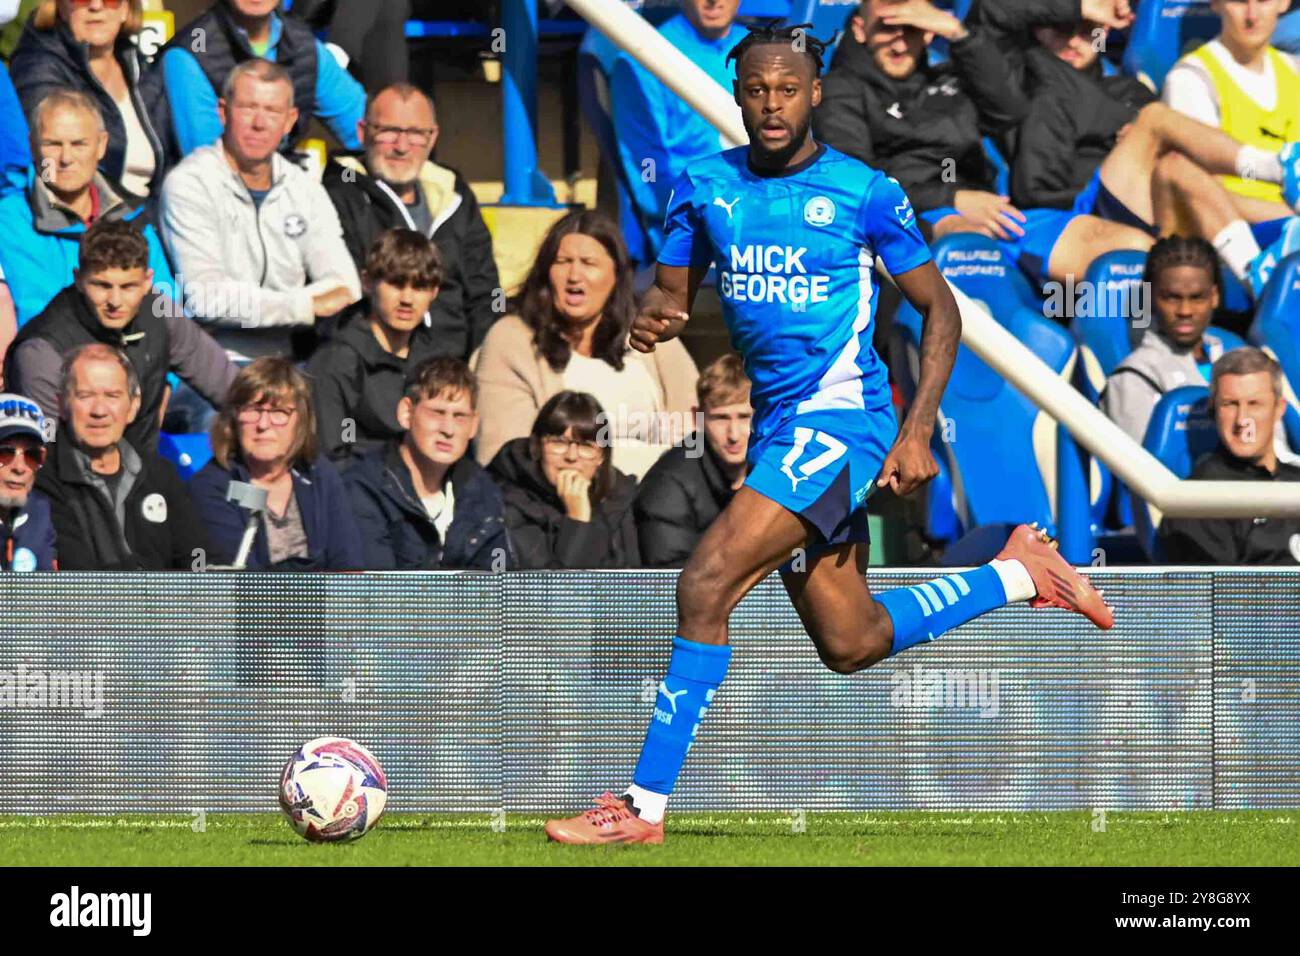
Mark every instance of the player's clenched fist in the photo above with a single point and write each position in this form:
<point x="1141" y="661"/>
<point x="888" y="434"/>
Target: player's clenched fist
<point x="654" y="325"/>
<point x="574" y="491"/>
<point x="908" y="465"/>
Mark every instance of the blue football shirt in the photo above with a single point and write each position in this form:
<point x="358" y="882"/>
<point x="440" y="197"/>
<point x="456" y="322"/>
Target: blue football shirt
<point x="795" y="253"/>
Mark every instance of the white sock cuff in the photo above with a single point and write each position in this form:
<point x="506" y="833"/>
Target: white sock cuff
<point x="649" y="806"/>
<point x="1260" y="165"/>
<point x="1237" y="247"/>
<point x="1015" y="579"/>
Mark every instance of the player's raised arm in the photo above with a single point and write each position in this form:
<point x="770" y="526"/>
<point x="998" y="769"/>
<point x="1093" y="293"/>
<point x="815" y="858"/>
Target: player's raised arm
<point x="910" y="462"/>
<point x="667" y="306"/>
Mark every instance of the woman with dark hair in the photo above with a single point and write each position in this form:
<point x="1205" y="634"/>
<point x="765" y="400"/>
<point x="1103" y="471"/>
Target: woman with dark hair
<point x="88" y="46"/>
<point x="265" y="435"/>
<point x="568" y="329"/>
<point x="567" y="506"/>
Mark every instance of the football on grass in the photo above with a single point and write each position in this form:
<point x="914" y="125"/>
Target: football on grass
<point x="333" y="789"/>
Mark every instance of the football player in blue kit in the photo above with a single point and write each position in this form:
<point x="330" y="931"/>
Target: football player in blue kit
<point x="795" y="229"/>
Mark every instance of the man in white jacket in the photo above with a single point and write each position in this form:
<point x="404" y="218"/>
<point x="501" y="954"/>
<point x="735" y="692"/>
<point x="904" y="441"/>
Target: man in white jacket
<point x="256" y="242"/>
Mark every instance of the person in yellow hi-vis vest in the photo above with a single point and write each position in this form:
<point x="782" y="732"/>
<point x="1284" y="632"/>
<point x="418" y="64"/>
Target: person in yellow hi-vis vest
<point x="1241" y="84"/>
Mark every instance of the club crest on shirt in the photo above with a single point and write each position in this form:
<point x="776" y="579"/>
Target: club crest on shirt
<point x="24" y="560"/>
<point x="154" y="508"/>
<point x="819" y="211"/>
<point x="294" y="225"/>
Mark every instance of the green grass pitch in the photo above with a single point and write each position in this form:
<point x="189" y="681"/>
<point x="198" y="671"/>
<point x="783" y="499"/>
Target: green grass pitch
<point x="1195" y="838"/>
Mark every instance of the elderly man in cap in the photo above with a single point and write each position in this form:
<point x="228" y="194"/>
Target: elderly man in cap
<point x="26" y="531"/>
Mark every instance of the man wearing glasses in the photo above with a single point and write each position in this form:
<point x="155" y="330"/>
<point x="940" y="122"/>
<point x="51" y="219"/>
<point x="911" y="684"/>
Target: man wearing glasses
<point x="26" y="531"/>
<point x="114" y="507"/>
<point x="392" y="184"/>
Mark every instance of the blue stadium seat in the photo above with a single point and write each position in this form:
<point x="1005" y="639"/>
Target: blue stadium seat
<point x="999" y="448"/>
<point x="188" y="453"/>
<point x="1277" y="328"/>
<point x="1163" y="32"/>
<point x="1102" y="323"/>
<point x="1181" y="431"/>
<point x="976" y="265"/>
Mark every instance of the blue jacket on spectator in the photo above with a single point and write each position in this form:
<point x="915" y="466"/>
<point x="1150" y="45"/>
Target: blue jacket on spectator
<point x="658" y="134"/>
<point x="15" y="144"/>
<point x="397" y="532"/>
<point x="40" y="242"/>
<point x="28" y="543"/>
<point x="333" y="540"/>
<point x="340" y="101"/>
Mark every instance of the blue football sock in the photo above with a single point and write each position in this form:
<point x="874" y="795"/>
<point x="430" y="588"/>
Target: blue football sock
<point x="694" y="673"/>
<point x="924" y="611"/>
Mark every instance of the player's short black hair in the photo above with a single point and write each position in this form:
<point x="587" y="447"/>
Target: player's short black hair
<point x="1171" y="252"/>
<point x="769" y="33"/>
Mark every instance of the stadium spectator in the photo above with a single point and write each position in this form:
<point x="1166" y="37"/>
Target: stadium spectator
<point x="41" y="225"/>
<point x="90" y="46"/>
<point x="113" y="301"/>
<point x="15" y="150"/>
<point x="568" y="329"/>
<point x="885" y="103"/>
<point x="658" y="133"/>
<point x="256" y="239"/>
<point x="1240" y="83"/>
<point x="203" y="52"/>
<point x="393" y="184"/>
<point x="265" y="435"/>
<point x="372" y="35"/>
<point x="359" y="375"/>
<point x="1183" y="278"/>
<point x="115" y="507"/>
<point x="26" y="529"/>
<point x="566" y="504"/>
<point x="690" y="485"/>
<point x="421" y="502"/>
<point x="1246" y="397"/>
<point x="1096" y="142"/>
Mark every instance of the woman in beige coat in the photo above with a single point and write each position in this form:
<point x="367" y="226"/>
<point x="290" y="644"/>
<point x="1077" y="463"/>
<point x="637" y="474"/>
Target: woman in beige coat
<point x="568" y="329"/>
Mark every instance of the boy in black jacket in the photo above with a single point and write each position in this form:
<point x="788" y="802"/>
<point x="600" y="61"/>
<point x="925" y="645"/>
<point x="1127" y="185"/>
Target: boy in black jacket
<point x="421" y="502"/>
<point x="690" y="484"/>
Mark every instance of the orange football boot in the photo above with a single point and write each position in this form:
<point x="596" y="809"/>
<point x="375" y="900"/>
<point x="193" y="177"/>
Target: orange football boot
<point x="612" y="821"/>
<point x="1058" y="583"/>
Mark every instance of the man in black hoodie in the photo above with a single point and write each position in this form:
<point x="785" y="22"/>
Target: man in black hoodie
<point x="421" y="502"/>
<point x="884" y="103"/>
<point x="392" y="185"/>
<point x="114" y="300"/>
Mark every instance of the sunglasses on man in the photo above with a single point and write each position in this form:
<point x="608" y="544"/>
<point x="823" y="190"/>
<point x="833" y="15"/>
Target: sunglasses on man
<point x="35" y="457"/>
